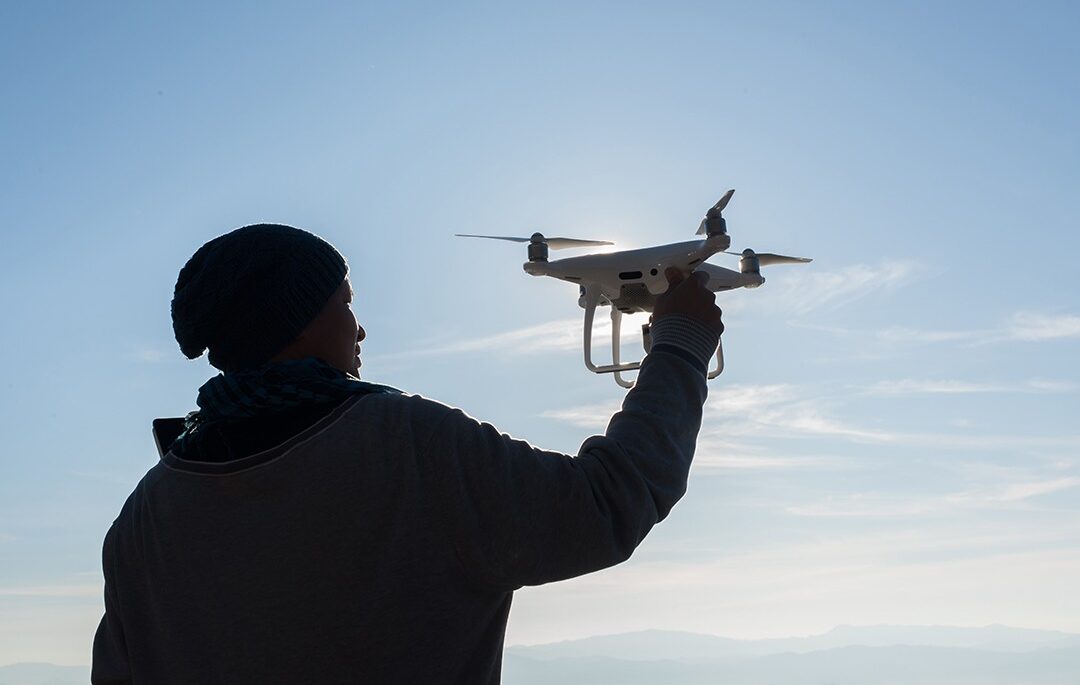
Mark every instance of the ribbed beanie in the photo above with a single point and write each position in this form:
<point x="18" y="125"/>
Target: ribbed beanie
<point x="247" y="294"/>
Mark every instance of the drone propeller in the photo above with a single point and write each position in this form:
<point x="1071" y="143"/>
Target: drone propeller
<point x="715" y="211"/>
<point x="722" y="202"/>
<point x="553" y="243"/>
<point x="767" y="258"/>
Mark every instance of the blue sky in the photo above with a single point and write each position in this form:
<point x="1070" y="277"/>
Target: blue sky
<point x="894" y="438"/>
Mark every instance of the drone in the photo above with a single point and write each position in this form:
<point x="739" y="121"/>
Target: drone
<point x="629" y="281"/>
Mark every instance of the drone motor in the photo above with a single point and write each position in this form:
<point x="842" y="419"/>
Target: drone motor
<point x="750" y="264"/>
<point x="538" y="248"/>
<point x="714" y="224"/>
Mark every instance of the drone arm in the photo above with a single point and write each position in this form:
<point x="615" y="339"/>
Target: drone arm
<point x="709" y="247"/>
<point x="721" y="278"/>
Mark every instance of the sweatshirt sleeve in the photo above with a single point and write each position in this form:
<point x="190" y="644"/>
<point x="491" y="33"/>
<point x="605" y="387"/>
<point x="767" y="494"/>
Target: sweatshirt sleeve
<point x="518" y="515"/>
<point x="110" y="662"/>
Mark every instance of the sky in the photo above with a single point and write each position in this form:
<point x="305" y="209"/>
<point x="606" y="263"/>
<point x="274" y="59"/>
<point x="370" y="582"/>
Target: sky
<point x="894" y="438"/>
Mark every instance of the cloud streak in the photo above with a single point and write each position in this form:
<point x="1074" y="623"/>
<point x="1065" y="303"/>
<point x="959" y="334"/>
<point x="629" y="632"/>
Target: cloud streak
<point x="773" y="410"/>
<point x="930" y="574"/>
<point x="768" y="426"/>
<point x="908" y="386"/>
<point x="1021" y="326"/>
<point x="814" y="289"/>
<point x="779" y="410"/>
<point x="1037" y="326"/>
<point x="883" y="505"/>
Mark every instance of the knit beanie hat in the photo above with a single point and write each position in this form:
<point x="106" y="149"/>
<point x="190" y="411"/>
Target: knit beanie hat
<point x="247" y="294"/>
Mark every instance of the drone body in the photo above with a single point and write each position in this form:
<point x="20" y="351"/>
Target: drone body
<point x="629" y="281"/>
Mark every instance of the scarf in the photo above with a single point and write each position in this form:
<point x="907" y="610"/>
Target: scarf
<point x="272" y="388"/>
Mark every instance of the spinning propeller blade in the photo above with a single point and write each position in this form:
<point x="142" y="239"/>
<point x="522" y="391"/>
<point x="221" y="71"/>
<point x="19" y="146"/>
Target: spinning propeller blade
<point x="553" y="243"/>
<point x="562" y="243"/>
<point x="767" y="258"/>
<point x="493" y="237"/>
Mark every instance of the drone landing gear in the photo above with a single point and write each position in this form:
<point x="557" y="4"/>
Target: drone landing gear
<point x="592" y="299"/>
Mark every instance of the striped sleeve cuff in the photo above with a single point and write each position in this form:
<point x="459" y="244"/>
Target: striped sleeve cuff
<point x="680" y="334"/>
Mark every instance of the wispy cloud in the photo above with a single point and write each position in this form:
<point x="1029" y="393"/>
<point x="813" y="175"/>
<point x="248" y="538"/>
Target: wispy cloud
<point x="551" y="335"/>
<point x="1036" y="326"/>
<point x="742" y="423"/>
<point x="769" y="410"/>
<point x="1021" y="326"/>
<point x="886" y="505"/>
<point x="589" y="416"/>
<point x="156" y="355"/>
<point x="903" y="335"/>
<point x="908" y="386"/>
<point x="779" y="410"/>
<point x="1020" y="491"/>
<point x="1044" y="385"/>
<point x="867" y="505"/>
<point x="812" y="289"/>
<point x="990" y="441"/>
<point x="747" y="412"/>
<point x="715" y="455"/>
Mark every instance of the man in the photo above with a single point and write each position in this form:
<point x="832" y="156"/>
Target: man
<point x="309" y="527"/>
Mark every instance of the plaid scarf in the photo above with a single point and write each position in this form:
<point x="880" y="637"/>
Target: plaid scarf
<point x="270" y="389"/>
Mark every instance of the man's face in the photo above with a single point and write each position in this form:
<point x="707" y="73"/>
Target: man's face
<point x="333" y="336"/>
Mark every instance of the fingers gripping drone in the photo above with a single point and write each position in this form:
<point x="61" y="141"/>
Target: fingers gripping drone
<point x="593" y="295"/>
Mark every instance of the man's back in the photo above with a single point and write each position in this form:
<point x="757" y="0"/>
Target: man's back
<point x="381" y="544"/>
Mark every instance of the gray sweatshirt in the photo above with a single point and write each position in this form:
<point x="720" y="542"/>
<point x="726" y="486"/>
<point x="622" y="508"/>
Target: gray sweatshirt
<point x="383" y="543"/>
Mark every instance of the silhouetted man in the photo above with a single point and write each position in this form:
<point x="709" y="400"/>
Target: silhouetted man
<point x="310" y="527"/>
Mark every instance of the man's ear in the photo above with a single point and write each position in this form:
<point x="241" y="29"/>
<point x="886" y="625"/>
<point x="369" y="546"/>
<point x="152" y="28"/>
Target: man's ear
<point x="288" y="351"/>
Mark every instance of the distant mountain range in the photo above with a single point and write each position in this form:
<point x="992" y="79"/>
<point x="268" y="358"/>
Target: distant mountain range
<point x="650" y="645"/>
<point x="847" y="655"/>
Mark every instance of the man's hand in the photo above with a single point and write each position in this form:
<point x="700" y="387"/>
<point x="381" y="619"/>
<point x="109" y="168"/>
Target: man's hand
<point x="689" y="297"/>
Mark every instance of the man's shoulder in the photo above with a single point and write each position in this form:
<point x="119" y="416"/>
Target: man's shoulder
<point x="135" y="505"/>
<point x="398" y="407"/>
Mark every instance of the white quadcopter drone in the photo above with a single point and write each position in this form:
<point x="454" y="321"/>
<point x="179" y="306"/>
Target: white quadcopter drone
<point x="630" y="280"/>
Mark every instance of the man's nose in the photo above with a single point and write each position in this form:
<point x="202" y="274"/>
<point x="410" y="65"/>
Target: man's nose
<point x="360" y="333"/>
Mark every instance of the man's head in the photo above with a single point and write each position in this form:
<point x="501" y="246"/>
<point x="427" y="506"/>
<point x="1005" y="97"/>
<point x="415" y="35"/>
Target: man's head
<point x="264" y="293"/>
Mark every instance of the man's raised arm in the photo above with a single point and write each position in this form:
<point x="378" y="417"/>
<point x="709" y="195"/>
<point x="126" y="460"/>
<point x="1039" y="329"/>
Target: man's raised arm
<point x="517" y="515"/>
